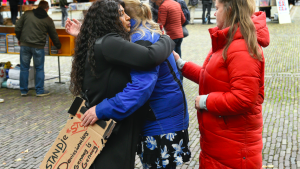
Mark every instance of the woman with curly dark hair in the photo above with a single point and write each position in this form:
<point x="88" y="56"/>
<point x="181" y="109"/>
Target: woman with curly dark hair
<point x="101" y="69"/>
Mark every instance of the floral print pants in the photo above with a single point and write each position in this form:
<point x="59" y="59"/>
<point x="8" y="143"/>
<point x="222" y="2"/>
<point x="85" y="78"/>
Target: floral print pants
<point x="165" y="150"/>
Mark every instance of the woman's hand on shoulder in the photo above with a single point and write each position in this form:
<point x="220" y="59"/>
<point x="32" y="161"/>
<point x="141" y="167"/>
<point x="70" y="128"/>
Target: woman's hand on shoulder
<point x="73" y="28"/>
<point x="89" y="117"/>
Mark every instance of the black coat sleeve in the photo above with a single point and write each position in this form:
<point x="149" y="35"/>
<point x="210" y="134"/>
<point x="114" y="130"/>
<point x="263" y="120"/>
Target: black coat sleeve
<point x="118" y="51"/>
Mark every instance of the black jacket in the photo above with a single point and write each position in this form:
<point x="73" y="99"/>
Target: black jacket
<point x="63" y="3"/>
<point x="206" y="1"/>
<point x="32" y="28"/>
<point x="114" y="58"/>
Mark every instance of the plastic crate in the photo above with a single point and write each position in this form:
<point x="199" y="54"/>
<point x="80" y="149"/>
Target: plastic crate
<point x="10" y="49"/>
<point x="67" y="45"/>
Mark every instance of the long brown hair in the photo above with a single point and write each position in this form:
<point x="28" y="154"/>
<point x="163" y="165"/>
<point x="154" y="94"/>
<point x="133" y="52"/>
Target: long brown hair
<point x="101" y="18"/>
<point x="238" y="14"/>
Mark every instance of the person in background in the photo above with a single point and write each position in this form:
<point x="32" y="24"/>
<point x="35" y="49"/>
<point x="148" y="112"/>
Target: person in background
<point x="231" y="87"/>
<point x="171" y="17"/>
<point x="192" y="4"/>
<point x="31" y="31"/>
<point x="154" y="11"/>
<point x="185" y="11"/>
<point x="206" y="4"/>
<point x="14" y="9"/>
<point x="64" y="11"/>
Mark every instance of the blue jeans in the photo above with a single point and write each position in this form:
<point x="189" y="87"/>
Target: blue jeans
<point x="64" y="15"/>
<point x="38" y="59"/>
<point x="178" y="50"/>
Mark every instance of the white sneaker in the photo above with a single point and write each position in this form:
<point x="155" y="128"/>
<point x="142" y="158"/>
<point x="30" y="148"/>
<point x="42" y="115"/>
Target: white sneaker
<point x="268" y="20"/>
<point x="1" y="100"/>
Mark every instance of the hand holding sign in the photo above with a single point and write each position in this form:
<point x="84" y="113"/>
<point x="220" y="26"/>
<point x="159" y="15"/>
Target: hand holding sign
<point x="77" y="146"/>
<point x="89" y="117"/>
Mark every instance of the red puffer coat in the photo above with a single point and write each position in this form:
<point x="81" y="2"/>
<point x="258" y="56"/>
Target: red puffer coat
<point x="231" y="129"/>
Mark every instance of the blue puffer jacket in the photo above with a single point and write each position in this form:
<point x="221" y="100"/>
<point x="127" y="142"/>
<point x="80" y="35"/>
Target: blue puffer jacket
<point x="161" y="86"/>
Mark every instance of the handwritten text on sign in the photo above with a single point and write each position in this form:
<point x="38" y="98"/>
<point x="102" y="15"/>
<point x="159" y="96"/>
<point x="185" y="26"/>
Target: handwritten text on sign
<point x="76" y="149"/>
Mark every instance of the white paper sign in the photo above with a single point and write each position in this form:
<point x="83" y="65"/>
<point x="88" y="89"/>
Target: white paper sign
<point x="283" y="7"/>
<point x="283" y="11"/>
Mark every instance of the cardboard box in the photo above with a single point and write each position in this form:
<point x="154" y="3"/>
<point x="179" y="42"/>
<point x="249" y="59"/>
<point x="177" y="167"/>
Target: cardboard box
<point x="77" y="146"/>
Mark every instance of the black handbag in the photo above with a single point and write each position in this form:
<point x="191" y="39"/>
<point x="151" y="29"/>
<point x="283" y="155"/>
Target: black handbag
<point x="185" y="32"/>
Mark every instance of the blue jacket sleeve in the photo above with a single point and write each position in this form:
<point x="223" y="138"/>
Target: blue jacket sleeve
<point x="134" y="96"/>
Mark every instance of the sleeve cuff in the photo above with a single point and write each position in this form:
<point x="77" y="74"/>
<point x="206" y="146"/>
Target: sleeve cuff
<point x="180" y="63"/>
<point x="202" y="102"/>
<point x="100" y="109"/>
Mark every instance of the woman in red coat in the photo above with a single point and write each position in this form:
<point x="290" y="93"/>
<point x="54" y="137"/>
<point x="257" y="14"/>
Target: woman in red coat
<point x="231" y="88"/>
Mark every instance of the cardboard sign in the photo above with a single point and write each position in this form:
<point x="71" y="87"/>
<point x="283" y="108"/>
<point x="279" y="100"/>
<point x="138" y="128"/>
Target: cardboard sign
<point x="77" y="146"/>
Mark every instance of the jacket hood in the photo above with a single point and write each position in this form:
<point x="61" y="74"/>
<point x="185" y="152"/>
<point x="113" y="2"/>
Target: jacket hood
<point x="40" y="13"/>
<point x="262" y="32"/>
<point x="132" y="23"/>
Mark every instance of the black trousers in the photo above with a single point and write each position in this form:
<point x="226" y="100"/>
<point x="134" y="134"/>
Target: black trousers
<point x="204" y="6"/>
<point x="267" y="10"/>
<point x="14" y="13"/>
<point x="120" y="149"/>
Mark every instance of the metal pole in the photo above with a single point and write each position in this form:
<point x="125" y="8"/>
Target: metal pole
<point x="59" y="77"/>
<point x="59" y="70"/>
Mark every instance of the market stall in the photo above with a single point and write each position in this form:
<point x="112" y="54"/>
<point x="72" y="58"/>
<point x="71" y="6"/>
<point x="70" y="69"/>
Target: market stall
<point x="282" y="7"/>
<point x="10" y="44"/>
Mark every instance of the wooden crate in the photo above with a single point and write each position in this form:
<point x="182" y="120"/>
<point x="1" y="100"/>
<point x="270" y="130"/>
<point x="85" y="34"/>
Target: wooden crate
<point x="67" y="45"/>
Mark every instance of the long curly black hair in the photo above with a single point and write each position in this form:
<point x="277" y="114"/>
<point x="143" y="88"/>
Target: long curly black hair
<point x="101" y="18"/>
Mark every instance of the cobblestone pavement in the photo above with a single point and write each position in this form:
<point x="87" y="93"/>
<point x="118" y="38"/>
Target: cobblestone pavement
<point x="29" y="125"/>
